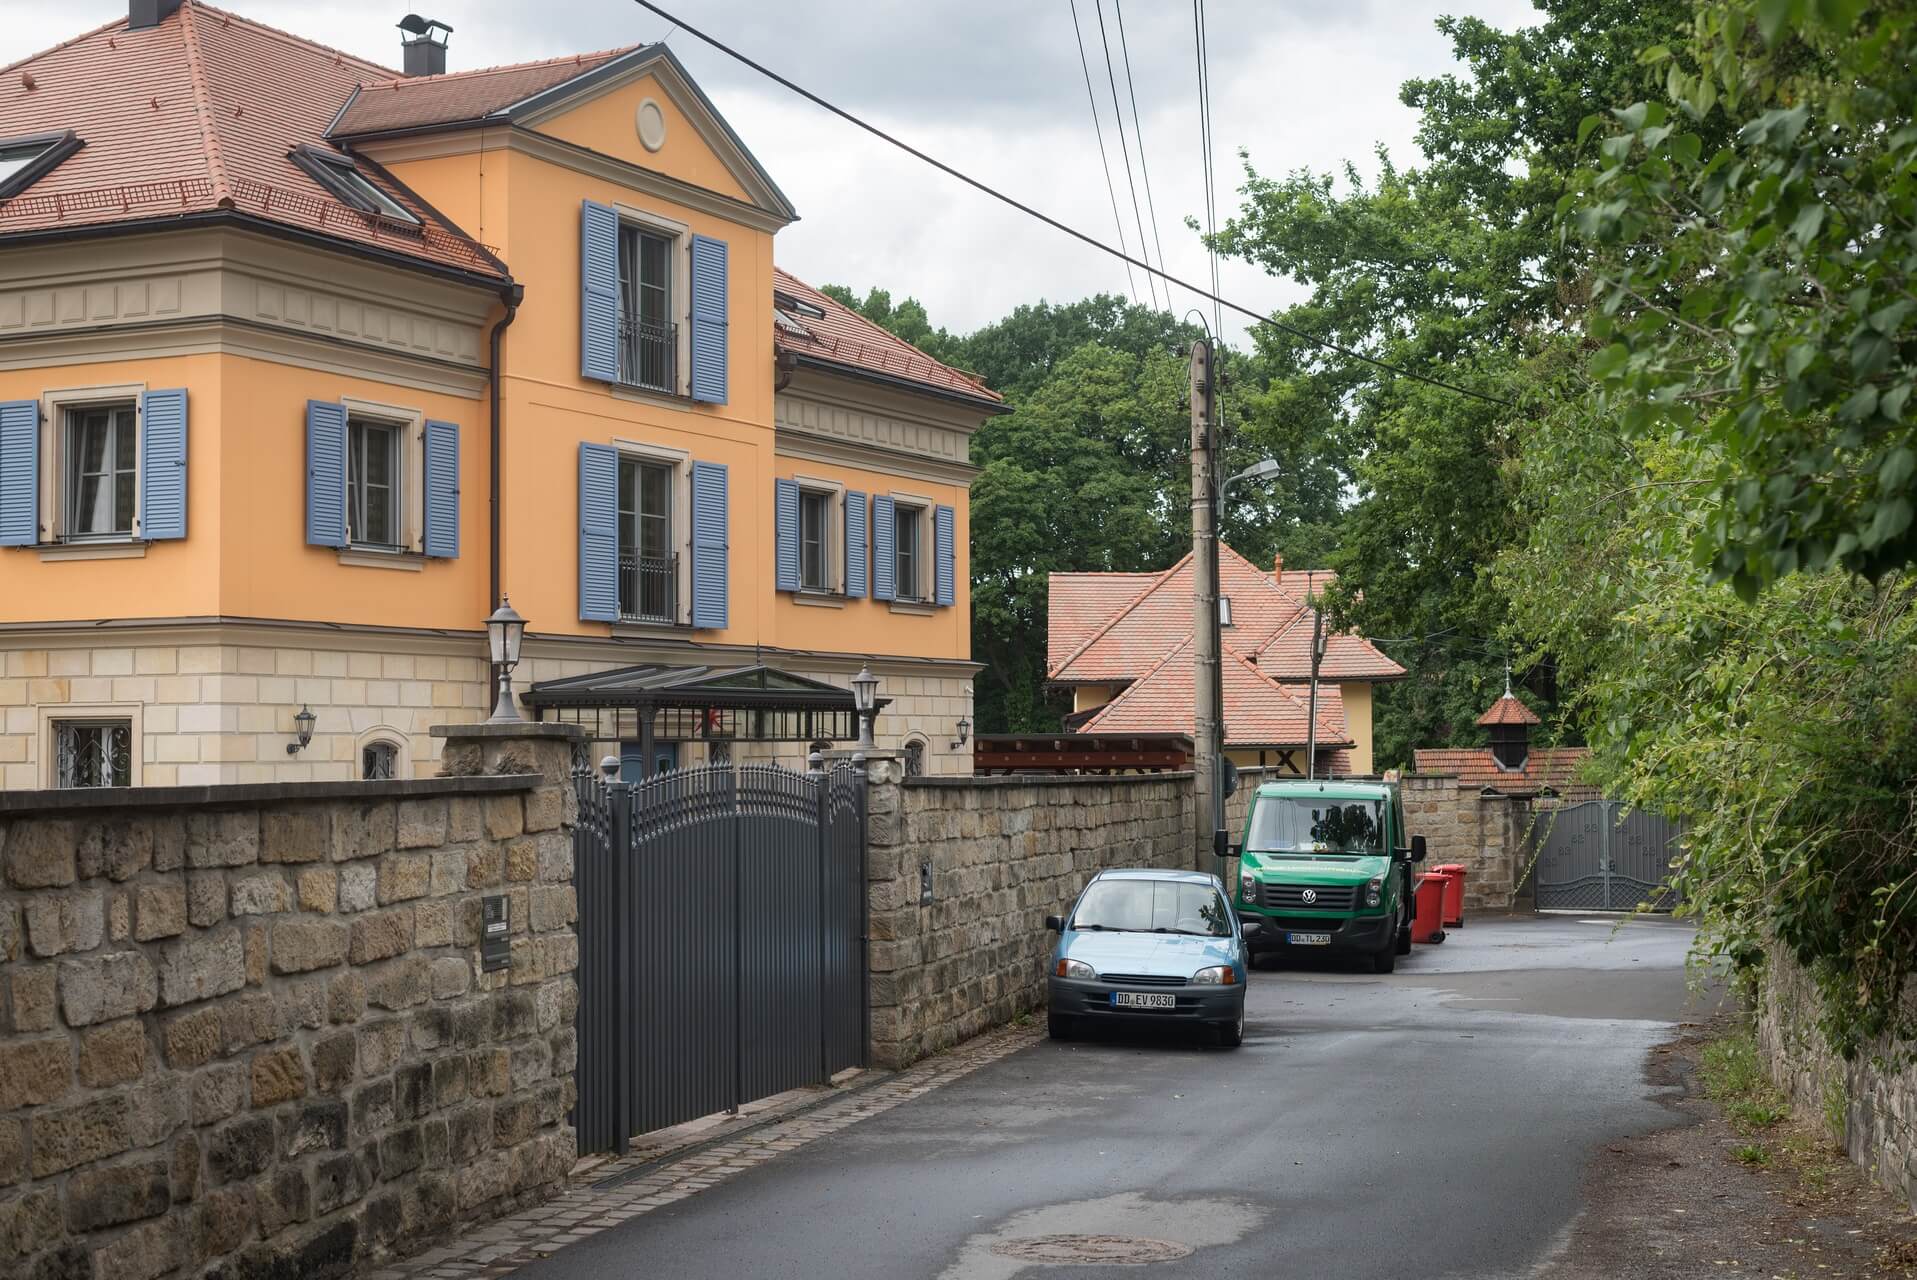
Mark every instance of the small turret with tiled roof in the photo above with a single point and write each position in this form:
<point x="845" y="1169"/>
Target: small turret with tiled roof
<point x="1509" y="721"/>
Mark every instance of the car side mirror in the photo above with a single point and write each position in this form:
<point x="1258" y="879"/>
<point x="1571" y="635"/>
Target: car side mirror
<point x="1417" y="848"/>
<point x="1055" y="923"/>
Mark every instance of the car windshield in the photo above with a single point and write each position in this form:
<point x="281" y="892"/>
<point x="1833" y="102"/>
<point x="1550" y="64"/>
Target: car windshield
<point x="1153" y="906"/>
<point x="1320" y="824"/>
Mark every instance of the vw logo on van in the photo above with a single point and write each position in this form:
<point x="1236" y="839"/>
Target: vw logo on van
<point x="1309" y="895"/>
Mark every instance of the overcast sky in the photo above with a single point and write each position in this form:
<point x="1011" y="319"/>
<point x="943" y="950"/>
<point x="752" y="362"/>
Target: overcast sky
<point x="993" y="87"/>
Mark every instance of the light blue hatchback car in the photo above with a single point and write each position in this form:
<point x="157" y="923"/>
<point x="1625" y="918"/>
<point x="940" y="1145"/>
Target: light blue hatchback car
<point x="1149" y="946"/>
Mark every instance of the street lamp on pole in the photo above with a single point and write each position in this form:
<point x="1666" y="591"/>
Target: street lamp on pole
<point x="1257" y="473"/>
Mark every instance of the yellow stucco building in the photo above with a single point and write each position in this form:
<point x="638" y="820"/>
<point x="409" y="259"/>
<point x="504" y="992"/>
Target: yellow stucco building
<point x="304" y="362"/>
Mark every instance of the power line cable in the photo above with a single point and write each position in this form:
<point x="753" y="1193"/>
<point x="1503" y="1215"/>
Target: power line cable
<point x="1138" y="131"/>
<point x="1201" y="35"/>
<point x="1118" y="116"/>
<point x="1212" y="296"/>
<point x="1097" y="129"/>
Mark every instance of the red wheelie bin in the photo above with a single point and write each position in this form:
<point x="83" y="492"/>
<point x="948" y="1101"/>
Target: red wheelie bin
<point x="1453" y="893"/>
<point x="1428" y="924"/>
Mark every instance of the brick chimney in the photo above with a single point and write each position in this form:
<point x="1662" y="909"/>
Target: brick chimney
<point x="1278" y="567"/>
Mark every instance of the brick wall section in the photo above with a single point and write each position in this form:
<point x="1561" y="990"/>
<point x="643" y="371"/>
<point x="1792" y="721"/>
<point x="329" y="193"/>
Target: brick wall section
<point x="1876" y="1094"/>
<point x="243" y="1030"/>
<point x="1004" y="853"/>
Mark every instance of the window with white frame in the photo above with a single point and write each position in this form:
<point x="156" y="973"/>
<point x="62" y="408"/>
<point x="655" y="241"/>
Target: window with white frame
<point x="374" y="468"/>
<point x="908" y="547"/>
<point x="816" y="540"/>
<point x="379" y="761"/>
<point x="648" y="567"/>
<point x="101" y="451"/>
<point x="93" y="753"/>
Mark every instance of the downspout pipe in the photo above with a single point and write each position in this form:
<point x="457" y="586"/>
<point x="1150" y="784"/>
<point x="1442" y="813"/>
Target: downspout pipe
<point x="512" y="296"/>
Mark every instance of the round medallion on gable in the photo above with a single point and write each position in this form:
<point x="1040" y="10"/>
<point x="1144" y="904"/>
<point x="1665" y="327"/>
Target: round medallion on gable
<point x="652" y="125"/>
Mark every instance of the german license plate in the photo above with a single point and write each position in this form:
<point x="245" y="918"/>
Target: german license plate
<point x="1142" y="1000"/>
<point x="1308" y="939"/>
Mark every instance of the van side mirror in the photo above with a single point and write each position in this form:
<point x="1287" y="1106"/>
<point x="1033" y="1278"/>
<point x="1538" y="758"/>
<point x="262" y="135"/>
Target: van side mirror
<point x="1055" y="923"/>
<point x="1234" y="851"/>
<point x="1417" y="848"/>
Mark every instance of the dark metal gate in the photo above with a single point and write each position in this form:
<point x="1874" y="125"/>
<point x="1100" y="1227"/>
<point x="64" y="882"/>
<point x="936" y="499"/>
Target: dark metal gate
<point x="1590" y="859"/>
<point x="721" y="942"/>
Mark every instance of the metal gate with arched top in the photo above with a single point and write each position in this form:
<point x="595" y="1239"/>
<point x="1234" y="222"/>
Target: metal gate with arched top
<point x="1591" y="859"/>
<point x="721" y="942"/>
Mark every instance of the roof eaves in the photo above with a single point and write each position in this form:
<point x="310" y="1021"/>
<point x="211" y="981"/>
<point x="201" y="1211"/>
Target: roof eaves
<point x="848" y="369"/>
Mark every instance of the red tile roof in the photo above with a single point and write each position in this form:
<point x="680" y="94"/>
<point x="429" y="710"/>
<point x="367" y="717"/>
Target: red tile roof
<point x="1508" y="710"/>
<point x="1090" y="640"/>
<point x="196" y="115"/>
<point x="1259" y="712"/>
<point x="844" y="337"/>
<point x="401" y="102"/>
<point x="1553" y="767"/>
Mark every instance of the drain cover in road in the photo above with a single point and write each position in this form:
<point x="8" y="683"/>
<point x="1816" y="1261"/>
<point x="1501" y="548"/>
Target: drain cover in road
<point x="1092" y="1250"/>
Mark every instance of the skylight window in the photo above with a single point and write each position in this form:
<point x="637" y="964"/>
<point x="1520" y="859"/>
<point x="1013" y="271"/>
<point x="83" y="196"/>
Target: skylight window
<point x="23" y="161"/>
<point x="338" y="174"/>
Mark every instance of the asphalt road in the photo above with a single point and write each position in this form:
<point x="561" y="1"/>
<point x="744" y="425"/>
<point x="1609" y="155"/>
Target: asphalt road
<point x="1432" y="1122"/>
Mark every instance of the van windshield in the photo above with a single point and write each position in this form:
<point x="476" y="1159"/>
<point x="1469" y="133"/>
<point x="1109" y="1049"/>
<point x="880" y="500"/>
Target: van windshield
<point x="1316" y="824"/>
<point x="1153" y="906"/>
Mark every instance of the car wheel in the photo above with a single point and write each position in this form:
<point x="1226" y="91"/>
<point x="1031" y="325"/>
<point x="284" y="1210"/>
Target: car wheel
<point x="1232" y="1034"/>
<point x="1060" y="1026"/>
<point x="1385" y="959"/>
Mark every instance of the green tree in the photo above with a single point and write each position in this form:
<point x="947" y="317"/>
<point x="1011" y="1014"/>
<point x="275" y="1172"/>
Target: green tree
<point x="1451" y="269"/>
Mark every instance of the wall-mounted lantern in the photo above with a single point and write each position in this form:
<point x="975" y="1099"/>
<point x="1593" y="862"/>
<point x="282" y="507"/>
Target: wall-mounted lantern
<point x="964" y="732"/>
<point x="302" y="730"/>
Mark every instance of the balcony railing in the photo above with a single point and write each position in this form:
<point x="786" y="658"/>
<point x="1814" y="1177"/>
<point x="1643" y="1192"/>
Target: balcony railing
<point x="648" y="354"/>
<point x="648" y="588"/>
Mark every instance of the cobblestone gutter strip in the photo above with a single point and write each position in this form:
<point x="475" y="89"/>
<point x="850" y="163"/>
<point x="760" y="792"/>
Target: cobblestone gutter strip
<point x="613" y="1194"/>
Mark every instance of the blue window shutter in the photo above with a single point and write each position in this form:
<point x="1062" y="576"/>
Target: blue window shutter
<point x="325" y="474"/>
<point x="885" y="564"/>
<point x="944" y="555"/>
<point x="163" y="465"/>
<point x="708" y="320"/>
<point x="598" y="533"/>
<point x="855" y="545"/>
<point x="785" y="519"/>
<point x="709" y="587"/>
<point x="599" y="292"/>
<point x="442" y="489"/>
<point x="19" y="473"/>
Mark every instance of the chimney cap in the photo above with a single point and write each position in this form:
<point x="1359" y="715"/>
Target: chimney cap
<point x="422" y="28"/>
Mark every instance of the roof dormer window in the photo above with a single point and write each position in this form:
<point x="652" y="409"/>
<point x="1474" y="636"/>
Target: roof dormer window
<point x="24" y="161"/>
<point x="341" y="176"/>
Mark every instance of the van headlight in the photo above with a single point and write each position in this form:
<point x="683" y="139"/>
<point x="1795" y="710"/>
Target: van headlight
<point x="1248" y="887"/>
<point x="1374" y="892"/>
<point x="1074" y="969"/>
<point x="1219" y="975"/>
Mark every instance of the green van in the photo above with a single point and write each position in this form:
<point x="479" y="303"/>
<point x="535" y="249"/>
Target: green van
<point x="1326" y="864"/>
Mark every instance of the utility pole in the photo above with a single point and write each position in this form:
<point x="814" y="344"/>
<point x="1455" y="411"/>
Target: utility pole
<point x="1205" y="641"/>
<point x="1317" y="656"/>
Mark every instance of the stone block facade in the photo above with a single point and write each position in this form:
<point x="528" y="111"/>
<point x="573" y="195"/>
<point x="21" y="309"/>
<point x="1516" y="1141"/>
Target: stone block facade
<point x="215" y="706"/>
<point x="1001" y="854"/>
<point x="1488" y="832"/>
<point x="245" y="1031"/>
<point x="1875" y="1095"/>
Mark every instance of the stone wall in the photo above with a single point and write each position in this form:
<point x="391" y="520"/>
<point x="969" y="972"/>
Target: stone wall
<point x="1488" y="834"/>
<point x="1874" y="1096"/>
<point x="1002" y="854"/>
<point x="244" y="1030"/>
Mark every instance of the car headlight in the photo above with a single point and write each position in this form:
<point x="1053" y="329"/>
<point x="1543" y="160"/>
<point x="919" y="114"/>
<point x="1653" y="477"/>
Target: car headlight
<point x="1219" y="975"/>
<point x="1374" y="892"/>
<point x="1248" y="887"/>
<point x="1074" y="969"/>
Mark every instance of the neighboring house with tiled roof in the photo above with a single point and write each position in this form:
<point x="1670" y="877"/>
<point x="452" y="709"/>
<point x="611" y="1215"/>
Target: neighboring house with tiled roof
<point x="304" y="362"/>
<point x="1122" y="643"/>
<point x="1510" y="764"/>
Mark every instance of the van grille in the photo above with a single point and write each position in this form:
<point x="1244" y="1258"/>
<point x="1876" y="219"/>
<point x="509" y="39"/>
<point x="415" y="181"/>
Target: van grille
<point x="1325" y="897"/>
